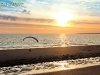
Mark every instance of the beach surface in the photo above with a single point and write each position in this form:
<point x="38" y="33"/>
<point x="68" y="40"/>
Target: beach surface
<point x="36" y="55"/>
<point x="94" y="70"/>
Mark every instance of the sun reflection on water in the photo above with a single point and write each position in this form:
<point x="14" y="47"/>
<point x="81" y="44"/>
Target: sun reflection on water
<point x="62" y="38"/>
<point x="64" y="66"/>
<point x="50" y="66"/>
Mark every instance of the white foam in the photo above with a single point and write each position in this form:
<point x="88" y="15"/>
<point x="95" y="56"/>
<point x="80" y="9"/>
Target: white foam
<point x="50" y="66"/>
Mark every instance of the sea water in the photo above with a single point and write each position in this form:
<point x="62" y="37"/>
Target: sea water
<point x="15" y="41"/>
<point x="31" y="69"/>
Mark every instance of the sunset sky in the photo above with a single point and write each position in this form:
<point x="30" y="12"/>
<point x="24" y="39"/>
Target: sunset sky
<point x="49" y="16"/>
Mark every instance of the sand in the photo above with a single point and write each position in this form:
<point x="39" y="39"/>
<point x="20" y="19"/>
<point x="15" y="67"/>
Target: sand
<point x="28" y="56"/>
<point x="94" y="70"/>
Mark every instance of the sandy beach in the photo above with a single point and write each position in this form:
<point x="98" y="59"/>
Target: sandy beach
<point x="94" y="70"/>
<point x="29" y="56"/>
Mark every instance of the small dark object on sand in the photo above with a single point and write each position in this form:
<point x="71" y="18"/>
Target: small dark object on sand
<point x="29" y="50"/>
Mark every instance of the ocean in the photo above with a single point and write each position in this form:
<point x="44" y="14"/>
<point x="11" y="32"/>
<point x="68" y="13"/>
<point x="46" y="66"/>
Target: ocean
<point x="15" y="41"/>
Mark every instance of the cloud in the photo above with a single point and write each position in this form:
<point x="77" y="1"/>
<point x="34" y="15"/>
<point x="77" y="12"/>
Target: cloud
<point x="15" y="18"/>
<point x="85" y="22"/>
<point x="24" y="25"/>
<point x="11" y="18"/>
<point x="48" y="8"/>
<point x="26" y="12"/>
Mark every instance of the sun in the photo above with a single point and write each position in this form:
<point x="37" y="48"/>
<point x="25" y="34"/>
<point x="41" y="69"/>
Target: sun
<point x="63" y="18"/>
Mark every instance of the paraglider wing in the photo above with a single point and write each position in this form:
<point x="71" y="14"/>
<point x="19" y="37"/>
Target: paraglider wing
<point x="31" y="37"/>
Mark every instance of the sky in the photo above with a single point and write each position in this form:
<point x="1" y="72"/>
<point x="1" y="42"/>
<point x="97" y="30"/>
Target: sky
<point x="49" y="16"/>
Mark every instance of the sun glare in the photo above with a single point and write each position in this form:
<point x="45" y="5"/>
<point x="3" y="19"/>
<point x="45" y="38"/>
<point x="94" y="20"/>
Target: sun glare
<point x="63" y="18"/>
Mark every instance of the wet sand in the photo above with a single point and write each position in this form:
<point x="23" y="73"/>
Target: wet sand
<point x="94" y="70"/>
<point x="29" y="56"/>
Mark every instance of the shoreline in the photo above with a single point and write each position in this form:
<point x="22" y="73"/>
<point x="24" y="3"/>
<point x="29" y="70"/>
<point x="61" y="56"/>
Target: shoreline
<point x="35" y="47"/>
<point x="91" y="70"/>
<point x="38" y="55"/>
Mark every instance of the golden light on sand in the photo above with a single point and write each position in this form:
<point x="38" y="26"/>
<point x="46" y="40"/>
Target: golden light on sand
<point x="63" y="17"/>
